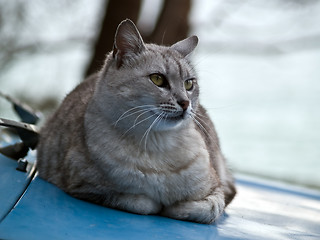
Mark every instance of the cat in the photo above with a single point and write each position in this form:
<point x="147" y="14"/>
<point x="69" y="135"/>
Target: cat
<point x="134" y="136"/>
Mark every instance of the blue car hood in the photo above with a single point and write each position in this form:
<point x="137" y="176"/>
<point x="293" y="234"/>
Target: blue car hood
<point x="32" y="208"/>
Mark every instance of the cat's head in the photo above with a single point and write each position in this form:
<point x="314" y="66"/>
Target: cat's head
<point x="148" y="85"/>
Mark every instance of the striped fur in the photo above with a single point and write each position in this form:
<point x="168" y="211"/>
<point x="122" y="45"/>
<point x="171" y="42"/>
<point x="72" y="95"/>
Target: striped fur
<point x="120" y="140"/>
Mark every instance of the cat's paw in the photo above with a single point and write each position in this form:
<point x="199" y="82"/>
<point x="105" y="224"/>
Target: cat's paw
<point x="140" y="204"/>
<point x="202" y="211"/>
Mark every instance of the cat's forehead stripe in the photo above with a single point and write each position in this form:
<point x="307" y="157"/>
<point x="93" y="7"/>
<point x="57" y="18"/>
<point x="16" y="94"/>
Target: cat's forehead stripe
<point x="173" y="63"/>
<point x="180" y="68"/>
<point x="170" y="61"/>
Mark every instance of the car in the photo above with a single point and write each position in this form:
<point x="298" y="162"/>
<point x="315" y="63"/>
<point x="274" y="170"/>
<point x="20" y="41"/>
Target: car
<point x="31" y="208"/>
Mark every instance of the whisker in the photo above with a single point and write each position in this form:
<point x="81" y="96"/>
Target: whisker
<point x="134" y="125"/>
<point x="130" y="110"/>
<point x="203" y="129"/>
<point x="145" y="135"/>
<point x="163" y="115"/>
<point x="203" y="122"/>
<point x="199" y="114"/>
<point x="133" y="113"/>
<point x="144" y="112"/>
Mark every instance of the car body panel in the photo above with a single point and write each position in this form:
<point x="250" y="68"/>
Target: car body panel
<point x="261" y="210"/>
<point x="12" y="184"/>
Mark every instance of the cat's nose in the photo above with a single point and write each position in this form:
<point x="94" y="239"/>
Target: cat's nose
<point x="184" y="104"/>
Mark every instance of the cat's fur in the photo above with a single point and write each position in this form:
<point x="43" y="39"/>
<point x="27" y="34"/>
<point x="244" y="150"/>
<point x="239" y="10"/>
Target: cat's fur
<point x="120" y="140"/>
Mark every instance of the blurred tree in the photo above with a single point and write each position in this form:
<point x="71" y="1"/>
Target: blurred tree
<point x="173" y="23"/>
<point x="10" y="40"/>
<point x="171" y="26"/>
<point x="116" y="11"/>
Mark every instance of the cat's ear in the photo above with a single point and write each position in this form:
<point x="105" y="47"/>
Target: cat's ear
<point x="127" y="41"/>
<point x="186" y="46"/>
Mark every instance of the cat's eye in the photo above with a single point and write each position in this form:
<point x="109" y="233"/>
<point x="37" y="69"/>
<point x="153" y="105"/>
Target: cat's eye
<point x="188" y="84"/>
<point x="158" y="80"/>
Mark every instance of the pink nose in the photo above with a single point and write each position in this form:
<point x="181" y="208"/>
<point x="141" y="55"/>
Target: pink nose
<point x="184" y="104"/>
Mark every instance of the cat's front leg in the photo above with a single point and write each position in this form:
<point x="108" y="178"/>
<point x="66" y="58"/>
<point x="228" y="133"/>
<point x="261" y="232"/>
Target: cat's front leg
<point x="135" y="203"/>
<point x="206" y="210"/>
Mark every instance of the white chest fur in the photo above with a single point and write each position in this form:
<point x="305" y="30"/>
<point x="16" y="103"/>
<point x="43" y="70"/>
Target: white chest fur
<point x="179" y="169"/>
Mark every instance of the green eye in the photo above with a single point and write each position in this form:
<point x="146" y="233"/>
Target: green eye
<point x="188" y="84"/>
<point x="157" y="79"/>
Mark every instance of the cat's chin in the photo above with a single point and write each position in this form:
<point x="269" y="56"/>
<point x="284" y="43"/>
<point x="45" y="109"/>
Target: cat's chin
<point x="170" y="123"/>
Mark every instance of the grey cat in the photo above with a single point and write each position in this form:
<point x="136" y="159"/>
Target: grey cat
<point x="134" y="136"/>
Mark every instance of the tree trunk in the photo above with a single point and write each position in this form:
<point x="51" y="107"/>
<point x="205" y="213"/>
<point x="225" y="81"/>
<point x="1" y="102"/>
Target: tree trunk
<point x="116" y="11"/>
<point x="172" y="26"/>
<point x="173" y="22"/>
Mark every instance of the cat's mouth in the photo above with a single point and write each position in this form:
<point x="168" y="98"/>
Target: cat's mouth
<point x="172" y="118"/>
<point x="177" y="118"/>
